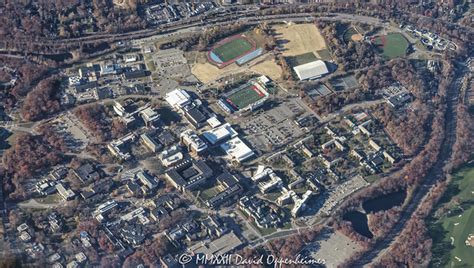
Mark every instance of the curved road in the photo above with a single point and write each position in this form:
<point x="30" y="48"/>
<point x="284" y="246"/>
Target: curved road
<point x="436" y="173"/>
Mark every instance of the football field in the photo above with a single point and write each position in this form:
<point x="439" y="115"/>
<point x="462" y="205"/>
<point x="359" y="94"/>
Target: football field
<point x="244" y="97"/>
<point x="233" y="49"/>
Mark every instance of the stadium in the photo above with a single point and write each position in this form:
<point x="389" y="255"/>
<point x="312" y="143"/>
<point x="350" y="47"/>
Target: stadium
<point x="246" y="97"/>
<point x="237" y="48"/>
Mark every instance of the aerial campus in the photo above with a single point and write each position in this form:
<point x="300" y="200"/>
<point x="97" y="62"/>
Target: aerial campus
<point x="236" y="133"/>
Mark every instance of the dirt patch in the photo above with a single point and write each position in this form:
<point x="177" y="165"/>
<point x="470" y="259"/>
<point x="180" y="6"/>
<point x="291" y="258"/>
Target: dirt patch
<point x="356" y="37"/>
<point x="268" y="68"/>
<point x="297" y="39"/>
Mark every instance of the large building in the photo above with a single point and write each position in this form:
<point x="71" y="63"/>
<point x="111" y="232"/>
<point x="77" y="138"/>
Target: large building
<point x="189" y="174"/>
<point x="237" y="150"/>
<point x="220" y="134"/>
<point x="178" y="98"/>
<point x="311" y="70"/>
<point x="193" y="142"/>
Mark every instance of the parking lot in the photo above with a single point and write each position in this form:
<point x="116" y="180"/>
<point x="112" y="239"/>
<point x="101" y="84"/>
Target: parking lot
<point x="340" y="192"/>
<point x="332" y="248"/>
<point x="74" y="132"/>
<point x="274" y="127"/>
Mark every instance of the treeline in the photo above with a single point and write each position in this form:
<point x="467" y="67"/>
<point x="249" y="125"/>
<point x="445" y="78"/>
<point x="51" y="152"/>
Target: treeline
<point x="290" y="246"/>
<point x="204" y="39"/>
<point x="94" y="118"/>
<point x="29" y="156"/>
<point x="353" y="55"/>
<point x="42" y="100"/>
<point x="463" y="148"/>
<point x="416" y="170"/>
<point x="65" y="18"/>
<point x="415" y="125"/>
<point x="413" y="247"/>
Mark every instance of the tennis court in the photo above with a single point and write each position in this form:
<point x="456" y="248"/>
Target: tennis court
<point x="344" y="82"/>
<point x="244" y="97"/>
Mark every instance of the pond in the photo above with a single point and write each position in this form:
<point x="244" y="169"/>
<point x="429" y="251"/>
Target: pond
<point x="359" y="223"/>
<point x="384" y="202"/>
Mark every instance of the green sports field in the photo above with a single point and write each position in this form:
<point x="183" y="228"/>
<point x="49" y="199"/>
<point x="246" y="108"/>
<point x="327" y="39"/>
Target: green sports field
<point x="392" y="45"/>
<point x="244" y="97"/>
<point x="450" y="231"/>
<point x="232" y="49"/>
<point x="348" y="34"/>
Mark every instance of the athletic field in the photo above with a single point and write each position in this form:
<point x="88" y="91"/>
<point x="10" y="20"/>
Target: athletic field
<point x="230" y="49"/>
<point x="245" y="96"/>
<point x="449" y="233"/>
<point x="392" y="45"/>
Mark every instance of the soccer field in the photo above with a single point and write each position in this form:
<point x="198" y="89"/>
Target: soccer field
<point x="233" y="49"/>
<point x="392" y="45"/>
<point x="244" y="97"/>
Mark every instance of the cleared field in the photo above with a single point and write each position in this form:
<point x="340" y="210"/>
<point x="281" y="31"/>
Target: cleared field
<point x="244" y="97"/>
<point x="268" y="68"/>
<point x="449" y="233"/>
<point x="207" y="72"/>
<point x="351" y="34"/>
<point x="300" y="59"/>
<point x="297" y="39"/>
<point x="392" y="45"/>
<point x="324" y="54"/>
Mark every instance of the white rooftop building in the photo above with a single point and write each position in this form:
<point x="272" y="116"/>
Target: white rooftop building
<point x="219" y="134"/>
<point x="149" y="115"/>
<point x="178" y="98"/>
<point x="311" y="70"/>
<point x="237" y="150"/>
<point x="193" y="141"/>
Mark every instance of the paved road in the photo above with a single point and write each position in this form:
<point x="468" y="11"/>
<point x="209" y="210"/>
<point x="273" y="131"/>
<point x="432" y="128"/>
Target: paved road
<point x="436" y="173"/>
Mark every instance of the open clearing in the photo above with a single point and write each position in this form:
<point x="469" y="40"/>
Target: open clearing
<point x="392" y="45"/>
<point x="351" y="34"/>
<point x="458" y="223"/>
<point x="207" y="72"/>
<point x="297" y="39"/>
<point x="268" y="68"/>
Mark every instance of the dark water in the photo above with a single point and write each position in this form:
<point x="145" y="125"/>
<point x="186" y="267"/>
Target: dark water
<point x="384" y="202"/>
<point x="359" y="223"/>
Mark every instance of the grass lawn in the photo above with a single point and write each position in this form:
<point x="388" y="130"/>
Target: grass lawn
<point x="301" y="59"/>
<point x="208" y="193"/>
<point x="50" y="199"/>
<point x="371" y="178"/>
<point x="263" y="231"/>
<point x="232" y="49"/>
<point x="456" y="225"/>
<point x="325" y="54"/>
<point x="348" y="34"/>
<point x="392" y="45"/>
